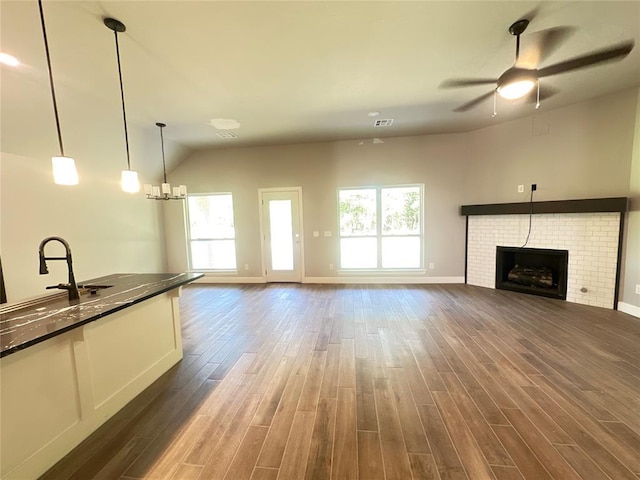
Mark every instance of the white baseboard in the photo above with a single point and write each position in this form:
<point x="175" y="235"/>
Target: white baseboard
<point x="229" y="279"/>
<point x="383" y="280"/>
<point x="409" y="280"/>
<point x="628" y="308"/>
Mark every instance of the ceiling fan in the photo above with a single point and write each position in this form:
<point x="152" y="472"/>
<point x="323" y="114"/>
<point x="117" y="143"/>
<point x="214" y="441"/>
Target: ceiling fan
<point x="520" y="80"/>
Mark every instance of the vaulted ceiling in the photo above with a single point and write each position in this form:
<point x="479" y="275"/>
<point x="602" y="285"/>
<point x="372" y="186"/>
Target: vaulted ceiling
<point x="294" y="71"/>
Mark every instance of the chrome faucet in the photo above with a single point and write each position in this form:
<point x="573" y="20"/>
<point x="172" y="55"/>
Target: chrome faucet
<point x="71" y="287"/>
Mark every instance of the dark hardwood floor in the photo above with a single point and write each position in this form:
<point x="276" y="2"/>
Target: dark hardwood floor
<point x="287" y="381"/>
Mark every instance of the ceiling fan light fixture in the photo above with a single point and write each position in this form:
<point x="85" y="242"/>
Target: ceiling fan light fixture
<point x="516" y="89"/>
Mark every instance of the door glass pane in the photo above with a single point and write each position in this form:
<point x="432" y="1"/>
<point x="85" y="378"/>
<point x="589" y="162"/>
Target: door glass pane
<point x="281" y="228"/>
<point x="358" y="252"/>
<point x="400" y="252"/>
<point x="213" y="254"/>
<point x="401" y="210"/>
<point x="357" y="212"/>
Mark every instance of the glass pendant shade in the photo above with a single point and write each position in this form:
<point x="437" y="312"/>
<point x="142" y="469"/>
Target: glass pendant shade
<point x="64" y="171"/>
<point x="514" y="90"/>
<point x="129" y="181"/>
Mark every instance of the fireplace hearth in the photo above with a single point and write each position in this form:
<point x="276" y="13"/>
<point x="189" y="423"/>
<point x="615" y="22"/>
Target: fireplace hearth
<point x="536" y="271"/>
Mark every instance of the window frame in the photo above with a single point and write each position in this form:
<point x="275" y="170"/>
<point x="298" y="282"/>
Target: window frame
<point x="220" y="239"/>
<point x="379" y="235"/>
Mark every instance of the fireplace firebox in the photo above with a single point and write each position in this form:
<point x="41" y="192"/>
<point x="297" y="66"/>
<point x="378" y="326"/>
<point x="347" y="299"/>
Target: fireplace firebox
<point x="537" y="271"/>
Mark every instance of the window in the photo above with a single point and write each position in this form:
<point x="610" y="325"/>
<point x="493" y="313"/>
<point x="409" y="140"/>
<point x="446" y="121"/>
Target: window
<point x="381" y="227"/>
<point x="212" y="244"/>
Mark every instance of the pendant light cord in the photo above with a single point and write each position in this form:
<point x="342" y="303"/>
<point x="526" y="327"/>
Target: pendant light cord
<point x="124" y="111"/>
<point x="530" y="216"/>
<point x="164" y="168"/>
<point x="53" y="91"/>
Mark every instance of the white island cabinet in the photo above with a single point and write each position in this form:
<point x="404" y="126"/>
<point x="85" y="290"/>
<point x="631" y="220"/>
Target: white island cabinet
<point x="66" y="369"/>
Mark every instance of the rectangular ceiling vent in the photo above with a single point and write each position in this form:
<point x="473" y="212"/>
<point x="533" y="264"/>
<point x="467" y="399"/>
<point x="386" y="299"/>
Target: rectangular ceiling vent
<point x="383" y="122"/>
<point x="227" y="135"/>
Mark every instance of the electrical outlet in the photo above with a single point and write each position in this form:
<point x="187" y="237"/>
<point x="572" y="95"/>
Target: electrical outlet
<point x="316" y="233"/>
<point x="246" y="266"/>
<point x="432" y="266"/>
<point x="331" y="266"/>
<point x="638" y="289"/>
<point x="534" y="187"/>
<point x="520" y="188"/>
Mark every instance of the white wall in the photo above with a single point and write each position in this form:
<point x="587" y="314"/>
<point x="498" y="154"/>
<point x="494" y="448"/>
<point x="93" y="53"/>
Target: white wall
<point x="109" y="231"/>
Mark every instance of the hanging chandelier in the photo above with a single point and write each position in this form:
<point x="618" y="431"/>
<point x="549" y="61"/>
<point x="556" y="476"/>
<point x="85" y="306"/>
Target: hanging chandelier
<point x="164" y="192"/>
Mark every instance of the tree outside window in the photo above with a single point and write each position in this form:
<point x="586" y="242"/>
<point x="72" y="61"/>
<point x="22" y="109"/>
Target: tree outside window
<point x="381" y="227"/>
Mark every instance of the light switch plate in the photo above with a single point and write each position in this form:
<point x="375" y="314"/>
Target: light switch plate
<point x="327" y="233"/>
<point x="316" y="233"/>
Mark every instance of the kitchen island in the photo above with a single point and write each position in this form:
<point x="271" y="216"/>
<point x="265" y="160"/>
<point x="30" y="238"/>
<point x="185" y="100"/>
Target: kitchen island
<point x="68" y="366"/>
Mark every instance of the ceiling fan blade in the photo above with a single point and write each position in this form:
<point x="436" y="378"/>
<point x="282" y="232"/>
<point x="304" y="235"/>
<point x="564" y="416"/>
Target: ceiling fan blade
<point x="469" y="105"/>
<point x="540" y="45"/>
<point x="467" y="82"/>
<point x="587" y="60"/>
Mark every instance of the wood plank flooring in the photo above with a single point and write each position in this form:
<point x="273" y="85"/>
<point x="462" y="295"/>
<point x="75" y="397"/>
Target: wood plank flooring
<point x="294" y="382"/>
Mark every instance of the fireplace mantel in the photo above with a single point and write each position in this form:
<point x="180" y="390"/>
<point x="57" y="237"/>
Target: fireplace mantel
<point x="587" y="205"/>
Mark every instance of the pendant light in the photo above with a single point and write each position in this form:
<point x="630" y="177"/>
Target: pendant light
<point x="164" y="192"/>
<point x="64" y="168"/>
<point x="129" y="179"/>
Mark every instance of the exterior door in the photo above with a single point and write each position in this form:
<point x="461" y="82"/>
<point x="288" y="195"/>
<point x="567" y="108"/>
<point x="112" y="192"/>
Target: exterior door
<point x="281" y="221"/>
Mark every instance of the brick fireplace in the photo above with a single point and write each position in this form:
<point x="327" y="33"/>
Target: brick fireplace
<point x="591" y="238"/>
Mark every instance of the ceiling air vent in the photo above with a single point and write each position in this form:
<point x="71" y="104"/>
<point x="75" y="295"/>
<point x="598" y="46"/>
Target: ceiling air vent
<point x="227" y="135"/>
<point x="383" y="122"/>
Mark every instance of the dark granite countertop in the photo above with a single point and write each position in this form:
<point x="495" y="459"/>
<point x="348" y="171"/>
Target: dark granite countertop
<point x="46" y="317"/>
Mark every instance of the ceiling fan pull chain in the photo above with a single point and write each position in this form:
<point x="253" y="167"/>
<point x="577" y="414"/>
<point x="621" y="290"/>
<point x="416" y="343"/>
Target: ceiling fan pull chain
<point x="495" y="103"/>
<point x="538" y="96"/>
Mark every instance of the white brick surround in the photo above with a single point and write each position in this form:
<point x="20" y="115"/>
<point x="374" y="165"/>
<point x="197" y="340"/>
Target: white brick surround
<point x="590" y="238"/>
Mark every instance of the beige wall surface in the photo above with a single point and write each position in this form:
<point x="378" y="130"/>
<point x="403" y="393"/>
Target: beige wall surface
<point x="580" y="151"/>
<point x="631" y="247"/>
<point x="320" y="169"/>
<point x="109" y="231"/>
